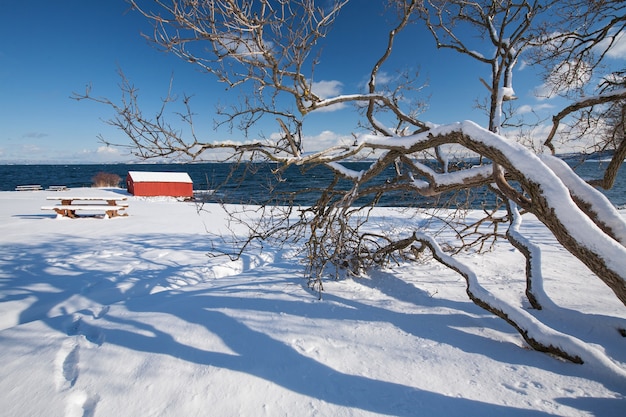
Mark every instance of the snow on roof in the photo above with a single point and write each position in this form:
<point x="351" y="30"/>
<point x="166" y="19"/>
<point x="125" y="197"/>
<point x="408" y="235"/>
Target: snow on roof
<point x="147" y="176"/>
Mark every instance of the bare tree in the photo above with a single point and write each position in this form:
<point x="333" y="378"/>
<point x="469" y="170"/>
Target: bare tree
<point x="573" y="58"/>
<point x="614" y="135"/>
<point x="273" y="46"/>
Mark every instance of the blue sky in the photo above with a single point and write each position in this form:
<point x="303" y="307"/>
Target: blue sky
<point x="48" y="50"/>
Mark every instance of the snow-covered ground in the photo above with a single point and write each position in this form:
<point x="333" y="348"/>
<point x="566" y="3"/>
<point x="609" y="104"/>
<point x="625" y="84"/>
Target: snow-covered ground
<point x="130" y="317"/>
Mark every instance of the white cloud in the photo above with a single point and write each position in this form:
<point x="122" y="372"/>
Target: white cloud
<point x="527" y="108"/>
<point x="564" y="141"/>
<point x="31" y="148"/>
<point x="325" y="139"/>
<point x="105" y="154"/>
<point x="618" y="49"/>
<point x="383" y="78"/>
<point x="543" y="92"/>
<point x="328" y="89"/>
<point x="322" y="140"/>
<point x="108" y="150"/>
<point x="565" y="76"/>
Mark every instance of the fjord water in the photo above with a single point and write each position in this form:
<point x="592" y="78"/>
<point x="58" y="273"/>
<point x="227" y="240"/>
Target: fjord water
<point x="258" y="183"/>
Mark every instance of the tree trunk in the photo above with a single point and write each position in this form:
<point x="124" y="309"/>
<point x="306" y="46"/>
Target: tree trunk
<point x="505" y="154"/>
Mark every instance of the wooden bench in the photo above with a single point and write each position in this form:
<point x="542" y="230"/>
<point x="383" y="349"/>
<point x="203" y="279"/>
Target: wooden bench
<point x="57" y="188"/>
<point x="111" y="206"/>
<point x="33" y="187"/>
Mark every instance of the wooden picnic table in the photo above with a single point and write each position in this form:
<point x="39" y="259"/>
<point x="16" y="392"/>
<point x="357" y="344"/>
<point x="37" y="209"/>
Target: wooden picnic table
<point x="30" y="187"/>
<point x="68" y="207"/>
<point x="57" y="188"/>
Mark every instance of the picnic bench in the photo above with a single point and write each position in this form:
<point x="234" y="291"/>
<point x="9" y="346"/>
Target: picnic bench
<point x="31" y="187"/>
<point x="57" y="188"/>
<point x="111" y="206"/>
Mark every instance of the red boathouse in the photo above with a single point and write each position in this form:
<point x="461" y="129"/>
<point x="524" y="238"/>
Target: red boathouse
<point x="151" y="184"/>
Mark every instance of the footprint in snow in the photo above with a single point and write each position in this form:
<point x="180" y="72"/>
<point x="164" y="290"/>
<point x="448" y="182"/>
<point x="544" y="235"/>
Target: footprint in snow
<point x="103" y="311"/>
<point x="81" y="404"/>
<point x="78" y="327"/>
<point x="67" y="365"/>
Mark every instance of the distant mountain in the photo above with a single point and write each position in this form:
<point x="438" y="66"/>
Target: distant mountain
<point x="581" y="157"/>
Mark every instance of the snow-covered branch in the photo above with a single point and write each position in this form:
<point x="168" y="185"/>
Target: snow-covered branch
<point x="535" y="333"/>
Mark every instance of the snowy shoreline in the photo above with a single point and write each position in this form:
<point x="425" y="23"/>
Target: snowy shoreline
<point x="129" y="316"/>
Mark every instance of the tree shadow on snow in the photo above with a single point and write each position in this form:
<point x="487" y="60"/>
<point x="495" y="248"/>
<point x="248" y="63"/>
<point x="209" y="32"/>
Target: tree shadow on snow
<point x="46" y="275"/>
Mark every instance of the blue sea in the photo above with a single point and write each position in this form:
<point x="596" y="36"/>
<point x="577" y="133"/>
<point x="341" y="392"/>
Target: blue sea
<point x="296" y="185"/>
